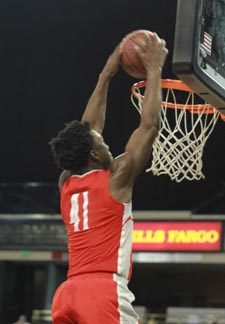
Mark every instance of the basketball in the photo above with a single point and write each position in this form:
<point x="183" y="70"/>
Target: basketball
<point x="130" y="61"/>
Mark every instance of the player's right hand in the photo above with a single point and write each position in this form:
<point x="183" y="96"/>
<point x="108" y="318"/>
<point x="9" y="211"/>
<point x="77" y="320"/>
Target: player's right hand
<point x="155" y="52"/>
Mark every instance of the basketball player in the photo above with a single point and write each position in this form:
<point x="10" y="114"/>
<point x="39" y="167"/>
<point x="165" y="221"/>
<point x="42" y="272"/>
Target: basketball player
<point x="96" y="193"/>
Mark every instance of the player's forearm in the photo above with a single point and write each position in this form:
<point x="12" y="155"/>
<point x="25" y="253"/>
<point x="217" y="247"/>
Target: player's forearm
<point x="152" y="100"/>
<point x="96" y="108"/>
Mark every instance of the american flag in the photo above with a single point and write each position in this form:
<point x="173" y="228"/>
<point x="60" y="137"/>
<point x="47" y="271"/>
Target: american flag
<point x="207" y="43"/>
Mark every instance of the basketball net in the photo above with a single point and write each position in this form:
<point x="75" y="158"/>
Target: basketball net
<point x="178" y="149"/>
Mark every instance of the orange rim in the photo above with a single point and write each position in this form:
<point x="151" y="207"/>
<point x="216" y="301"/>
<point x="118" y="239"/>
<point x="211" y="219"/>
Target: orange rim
<point x="176" y="85"/>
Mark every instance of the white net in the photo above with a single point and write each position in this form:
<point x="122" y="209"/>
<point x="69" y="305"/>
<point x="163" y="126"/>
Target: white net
<point x="184" y="130"/>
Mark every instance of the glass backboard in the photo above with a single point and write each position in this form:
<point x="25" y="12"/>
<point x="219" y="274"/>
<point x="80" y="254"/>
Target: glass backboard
<point x="199" y="48"/>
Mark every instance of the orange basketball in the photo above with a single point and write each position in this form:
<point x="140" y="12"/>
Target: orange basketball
<point x="130" y="62"/>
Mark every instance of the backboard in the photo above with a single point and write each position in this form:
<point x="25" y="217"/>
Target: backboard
<point x="199" y="48"/>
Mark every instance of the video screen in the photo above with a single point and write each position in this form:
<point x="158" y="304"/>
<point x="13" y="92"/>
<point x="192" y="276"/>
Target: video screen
<point x="212" y="35"/>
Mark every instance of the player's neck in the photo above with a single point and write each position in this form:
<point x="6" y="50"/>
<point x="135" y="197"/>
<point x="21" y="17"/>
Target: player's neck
<point x="91" y="166"/>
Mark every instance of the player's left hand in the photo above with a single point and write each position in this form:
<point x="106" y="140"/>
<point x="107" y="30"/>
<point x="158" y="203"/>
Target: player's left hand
<point x="112" y="64"/>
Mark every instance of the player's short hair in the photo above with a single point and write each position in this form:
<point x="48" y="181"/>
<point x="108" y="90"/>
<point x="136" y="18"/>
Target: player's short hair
<point x="72" y="146"/>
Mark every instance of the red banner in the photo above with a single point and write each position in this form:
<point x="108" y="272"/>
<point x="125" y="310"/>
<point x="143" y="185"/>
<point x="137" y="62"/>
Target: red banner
<point x="177" y="236"/>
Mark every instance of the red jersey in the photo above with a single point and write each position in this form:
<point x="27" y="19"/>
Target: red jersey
<point x="99" y="228"/>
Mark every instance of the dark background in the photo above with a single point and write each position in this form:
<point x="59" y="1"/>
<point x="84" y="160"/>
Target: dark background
<point x="51" y="53"/>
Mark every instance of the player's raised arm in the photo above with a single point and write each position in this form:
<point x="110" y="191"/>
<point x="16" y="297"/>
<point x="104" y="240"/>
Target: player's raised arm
<point x="140" y="142"/>
<point x="126" y="167"/>
<point x="96" y="108"/>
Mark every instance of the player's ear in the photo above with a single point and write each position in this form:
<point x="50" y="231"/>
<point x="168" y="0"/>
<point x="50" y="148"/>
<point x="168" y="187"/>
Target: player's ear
<point x="94" y="155"/>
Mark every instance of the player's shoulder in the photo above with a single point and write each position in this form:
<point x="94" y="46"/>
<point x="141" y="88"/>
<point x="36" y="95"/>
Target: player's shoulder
<point x="121" y="170"/>
<point x="122" y="162"/>
<point x="63" y="177"/>
<point x="92" y="176"/>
